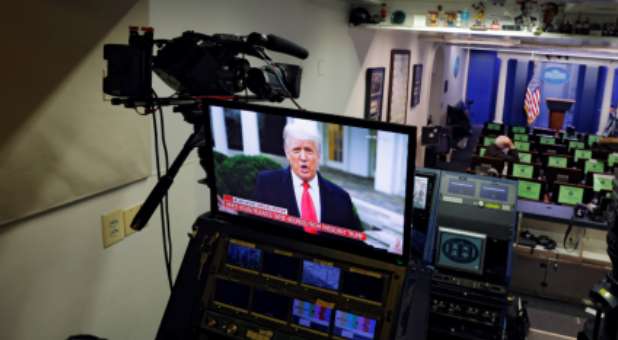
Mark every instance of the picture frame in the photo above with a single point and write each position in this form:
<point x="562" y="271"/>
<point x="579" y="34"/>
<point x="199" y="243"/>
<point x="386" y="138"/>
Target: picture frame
<point x="374" y="92"/>
<point x="417" y="79"/>
<point x="398" y="86"/>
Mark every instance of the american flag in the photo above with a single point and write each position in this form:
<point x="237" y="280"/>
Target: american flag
<point x="532" y="101"/>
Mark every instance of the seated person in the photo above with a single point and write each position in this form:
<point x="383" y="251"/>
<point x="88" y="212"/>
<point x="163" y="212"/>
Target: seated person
<point x="504" y="149"/>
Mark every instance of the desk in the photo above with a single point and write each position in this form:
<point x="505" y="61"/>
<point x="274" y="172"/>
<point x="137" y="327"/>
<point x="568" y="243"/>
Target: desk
<point x="556" y="213"/>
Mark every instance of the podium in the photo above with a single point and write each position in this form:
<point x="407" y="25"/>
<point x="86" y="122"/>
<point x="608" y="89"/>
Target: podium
<point x="557" y="108"/>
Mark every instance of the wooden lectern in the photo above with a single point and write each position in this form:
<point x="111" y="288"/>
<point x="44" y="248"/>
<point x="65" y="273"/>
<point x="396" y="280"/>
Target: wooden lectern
<point x="557" y="108"/>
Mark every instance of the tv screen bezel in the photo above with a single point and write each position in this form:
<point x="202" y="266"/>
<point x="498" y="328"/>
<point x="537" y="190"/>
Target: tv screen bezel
<point x="285" y="230"/>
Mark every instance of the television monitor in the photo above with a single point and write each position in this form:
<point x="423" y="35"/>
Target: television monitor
<point x="570" y="195"/>
<point x="593" y="165"/>
<point x="520" y="138"/>
<point x="576" y="145"/>
<point x="271" y="304"/>
<point x="482" y="151"/>
<point x="421" y="185"/>
<point x="557" y="162"/>
<point x="460" y="250"/>
<point x="612" y="159"/>
<point x="363" y="284"/>
<point x="331" y="184"/>
<point x="522" y="171"/>
<point x="525" y="157"/>
<point x="321" y="274"/>
<point x="545" y="140"/>
<point x="311" y="315"/>
<point x="582" y="154"/>
<point x="243" y="255"/>
<point x="529" y="190"/>
<point x="601" y="182"/>
<point x="522" y="146"/>
<point x="281" y="265"/>
<point x="232" y="294"/>
<point x="593" y="139"/>
<point x="425" y="182"/>
<point x="519" y="129"/>
<point x="487" y="141"/>
<point x="494" y="127"/>
<point x="354" y="326"/>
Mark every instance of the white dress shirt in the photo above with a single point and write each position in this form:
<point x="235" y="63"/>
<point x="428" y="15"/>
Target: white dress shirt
<point x="314" y="191"/>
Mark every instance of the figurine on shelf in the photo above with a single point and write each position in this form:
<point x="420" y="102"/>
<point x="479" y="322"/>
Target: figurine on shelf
<point x="432" y="18"/>
<point x="495" y="25"/>
<point x="383" y="12"/>
<point x="451" y="19"/>
<point x="465" y="18"/>
<point x="479" y="16"/>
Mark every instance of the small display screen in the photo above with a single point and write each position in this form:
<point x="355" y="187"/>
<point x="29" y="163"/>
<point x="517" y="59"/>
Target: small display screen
<point x="547" y="140"/>
<point x="461" y="188"/>
<point x="311" y="315"/>
<point x="570" y="195"/>
<point x="353" y="326"/>
<point x="281" y="265"/>
<point x="522" y="146"/>
<point x="593" y="139"/>
<point x="595" y="166"/>
<point x="271" y="304"/>
<point x="420" y="192"/>
<point x="582" y="154"/>
<point x="461" y="250"/>
<point x="576" y="145"/>
<point x="529" y="190"/>
<point x="495" y="192"/>
<point x="362" y="284"/>
<point x="612" y="159"/>
<point x="525" y="157"/>
<point x="244" y="255"/>
<point x="482" y="152"/>
<point x="518" y="129"/>
<point x="232" y="293"/>
<point x="489" y="141"/>
<point x="494" y="127"/>
<point x="321" y="275"/>
<point x="520" y="138"/>
<point x="557" y="162"/>
<point x="523" y="170"/>
<point x="602" y="182"/>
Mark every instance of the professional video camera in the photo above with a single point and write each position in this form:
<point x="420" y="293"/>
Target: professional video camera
<point x="197" y="65"/>
<point x="604" y="295"/>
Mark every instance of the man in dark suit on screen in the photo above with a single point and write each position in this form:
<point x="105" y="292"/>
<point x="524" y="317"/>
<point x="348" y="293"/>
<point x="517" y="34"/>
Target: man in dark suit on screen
<point x="300" y="188"/>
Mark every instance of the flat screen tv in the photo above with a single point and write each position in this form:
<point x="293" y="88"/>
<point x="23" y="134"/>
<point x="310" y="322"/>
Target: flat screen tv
<point x="335" y="181"/>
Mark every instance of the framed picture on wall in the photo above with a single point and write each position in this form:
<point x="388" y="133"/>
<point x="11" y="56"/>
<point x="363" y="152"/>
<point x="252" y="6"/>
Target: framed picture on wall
<point x="398" y="86"/>
<point x="374" y="92"/>
<point x="417" y="77"/>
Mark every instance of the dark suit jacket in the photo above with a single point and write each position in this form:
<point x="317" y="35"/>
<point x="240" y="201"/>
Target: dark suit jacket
<point x="275" y="187"/>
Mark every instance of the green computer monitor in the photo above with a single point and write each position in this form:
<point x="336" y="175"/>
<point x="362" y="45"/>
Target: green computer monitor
<point x="582" y="154"/>
<point x="601" y="182"/>
<point x="525" y="157"/>
<point x="523" y="170"/>
<point x="494" y="127"/>
<point x="529" y="190"/>
<point x="557" y="162"/>
<point x="593" y="139"/>
<point x="487" y="141"/>
<point x="518" y="129"/>
<point x="547" y="140"/>
<point x="612" y="159"/>
<point x="522" y="146"/>
<point x="520" y="138"/>
<point x="593" y="165"/>
<point x="574" y="144"/>
<point x="482" y="152"/>
<point x="570" y="195"/>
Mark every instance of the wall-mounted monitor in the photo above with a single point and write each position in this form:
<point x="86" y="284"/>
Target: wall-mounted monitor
<point x="281" y="265"/>
<point x="311" y="315"/>
<point x="326" y="179"/>
<point x="557" y="162"/>
<point x="570" y="195"/>
<point x="354" y="326"/>
<point x="460" y="250"/>
<point x="244" y="256"/>
<point x="321" y="275"/>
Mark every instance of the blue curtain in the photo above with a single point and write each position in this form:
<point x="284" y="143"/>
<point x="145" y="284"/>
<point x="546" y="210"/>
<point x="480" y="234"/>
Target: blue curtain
<point x="483" y="74"/>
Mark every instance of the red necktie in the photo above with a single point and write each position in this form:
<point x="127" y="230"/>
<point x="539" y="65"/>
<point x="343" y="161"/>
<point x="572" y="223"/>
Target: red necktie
<point x="307" y="209"/>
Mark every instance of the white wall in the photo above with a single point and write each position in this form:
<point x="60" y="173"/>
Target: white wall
<point x="57" y="279"/>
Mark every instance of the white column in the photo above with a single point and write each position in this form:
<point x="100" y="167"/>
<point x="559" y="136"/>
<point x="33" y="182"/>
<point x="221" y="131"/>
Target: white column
<point x="498" y="116"/>
<point x="607" y="98"/>
<point x="218" y="129"/>
<point x="250" y="133"/>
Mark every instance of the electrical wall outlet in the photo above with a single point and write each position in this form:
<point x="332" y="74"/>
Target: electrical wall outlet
<point x="128" y="215"/>
<point x="112" y="227"/>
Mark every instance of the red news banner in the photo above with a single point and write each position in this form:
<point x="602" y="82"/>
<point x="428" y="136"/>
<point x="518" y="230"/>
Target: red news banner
<point x="281" y="214"/>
